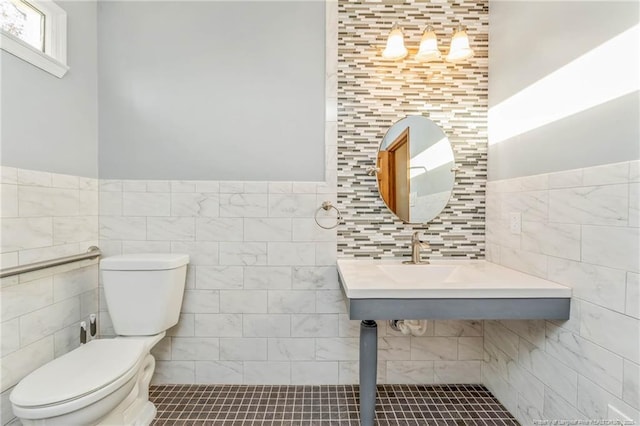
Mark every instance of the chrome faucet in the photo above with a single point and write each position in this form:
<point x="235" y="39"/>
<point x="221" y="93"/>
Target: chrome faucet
<point x="416" y="245"/>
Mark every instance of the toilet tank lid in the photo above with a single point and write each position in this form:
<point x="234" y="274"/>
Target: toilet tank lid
<point x="144" y="262"/>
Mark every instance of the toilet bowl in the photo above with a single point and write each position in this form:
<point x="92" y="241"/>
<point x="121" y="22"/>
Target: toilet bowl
<point x="106" y="381"/>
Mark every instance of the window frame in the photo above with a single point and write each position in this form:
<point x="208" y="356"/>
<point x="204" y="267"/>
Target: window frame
<point x="54" y="58"/>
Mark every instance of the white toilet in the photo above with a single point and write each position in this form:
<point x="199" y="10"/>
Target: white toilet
<point x="106" y="381"/>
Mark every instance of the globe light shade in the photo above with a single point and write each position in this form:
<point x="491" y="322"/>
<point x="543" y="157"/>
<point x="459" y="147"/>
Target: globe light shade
<point x="460" y="49"/>
<point x="395" y="45"/>
<point x="428" y="46"/>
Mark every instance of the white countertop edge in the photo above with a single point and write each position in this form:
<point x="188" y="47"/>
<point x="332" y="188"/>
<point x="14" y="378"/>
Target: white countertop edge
<point x="457" y="294"/>
<point x="545" y="288"/>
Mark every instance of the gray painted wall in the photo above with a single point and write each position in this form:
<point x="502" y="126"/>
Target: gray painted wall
<point x="50" y="124"/>
<point x="211" y="90"/>
<point x="530" y="40"/>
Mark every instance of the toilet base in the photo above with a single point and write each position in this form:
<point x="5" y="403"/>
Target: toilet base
<point x="140" y="413"/>
<point x="127" y="406"/>
<point x="135" y="409"/>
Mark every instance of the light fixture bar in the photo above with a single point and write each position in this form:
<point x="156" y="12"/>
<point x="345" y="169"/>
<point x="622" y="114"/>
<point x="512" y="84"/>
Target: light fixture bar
<point x="459" y="49"/>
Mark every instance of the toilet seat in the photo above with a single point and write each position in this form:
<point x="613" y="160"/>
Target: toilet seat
<point x="78" y="378"/>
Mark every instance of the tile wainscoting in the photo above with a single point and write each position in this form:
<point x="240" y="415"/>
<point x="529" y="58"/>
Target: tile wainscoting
<point x="263" y="303"/>
<point x="44" y="216"/>
<point x="580" y="229"/>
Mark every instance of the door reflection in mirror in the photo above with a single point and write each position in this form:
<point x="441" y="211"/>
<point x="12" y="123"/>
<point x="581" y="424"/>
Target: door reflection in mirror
<point x="415" y="162"/>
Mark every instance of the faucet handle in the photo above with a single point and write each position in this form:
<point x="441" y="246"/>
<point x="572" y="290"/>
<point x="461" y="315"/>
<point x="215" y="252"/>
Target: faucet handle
<point x="416" y="245"/>
<point x="415" y="239"/>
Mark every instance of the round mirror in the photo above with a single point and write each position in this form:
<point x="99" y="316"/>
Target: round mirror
<point x="415" y="169"/>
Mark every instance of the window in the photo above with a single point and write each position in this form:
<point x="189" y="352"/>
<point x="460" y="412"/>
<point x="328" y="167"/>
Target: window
<point x="24" y="21"/>
<point x="35" y="31"/>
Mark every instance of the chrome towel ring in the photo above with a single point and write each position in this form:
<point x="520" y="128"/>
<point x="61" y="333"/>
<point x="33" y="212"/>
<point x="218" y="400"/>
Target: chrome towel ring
<point x="326" y="206"/>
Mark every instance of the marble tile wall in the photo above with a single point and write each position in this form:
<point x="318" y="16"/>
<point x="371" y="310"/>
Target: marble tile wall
<point x="43" y="216"/>
<point x="261" y="285"/>
<point x="263" y="303"/>
<point x="580" y="229"/>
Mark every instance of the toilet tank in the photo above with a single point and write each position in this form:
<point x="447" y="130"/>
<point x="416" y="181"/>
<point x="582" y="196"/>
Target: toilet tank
<point x="144" y="291"/>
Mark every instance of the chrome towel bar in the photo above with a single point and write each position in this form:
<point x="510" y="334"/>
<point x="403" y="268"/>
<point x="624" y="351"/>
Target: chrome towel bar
<point x="91" y="253"/>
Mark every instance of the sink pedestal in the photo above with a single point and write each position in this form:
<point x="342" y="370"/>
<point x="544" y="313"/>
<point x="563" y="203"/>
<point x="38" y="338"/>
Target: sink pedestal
<point x="368" y="371"/>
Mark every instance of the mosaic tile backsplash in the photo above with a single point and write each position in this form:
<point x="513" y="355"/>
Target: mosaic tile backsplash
<point x="374" y="93"/>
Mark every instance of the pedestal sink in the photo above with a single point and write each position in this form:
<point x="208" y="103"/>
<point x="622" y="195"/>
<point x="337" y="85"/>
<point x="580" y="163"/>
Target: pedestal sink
<point x="383" y="290"/>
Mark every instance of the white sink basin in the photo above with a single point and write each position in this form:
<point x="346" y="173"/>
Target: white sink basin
<point x="422" y="273"/>
<point x="362" y="278"/>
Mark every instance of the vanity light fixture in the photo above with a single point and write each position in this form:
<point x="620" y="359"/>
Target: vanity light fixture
<point x="428" y="46"/>
<point x="428" y="51"/>
<point x="395" y="44"/>
<point x="459" y="50"/>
